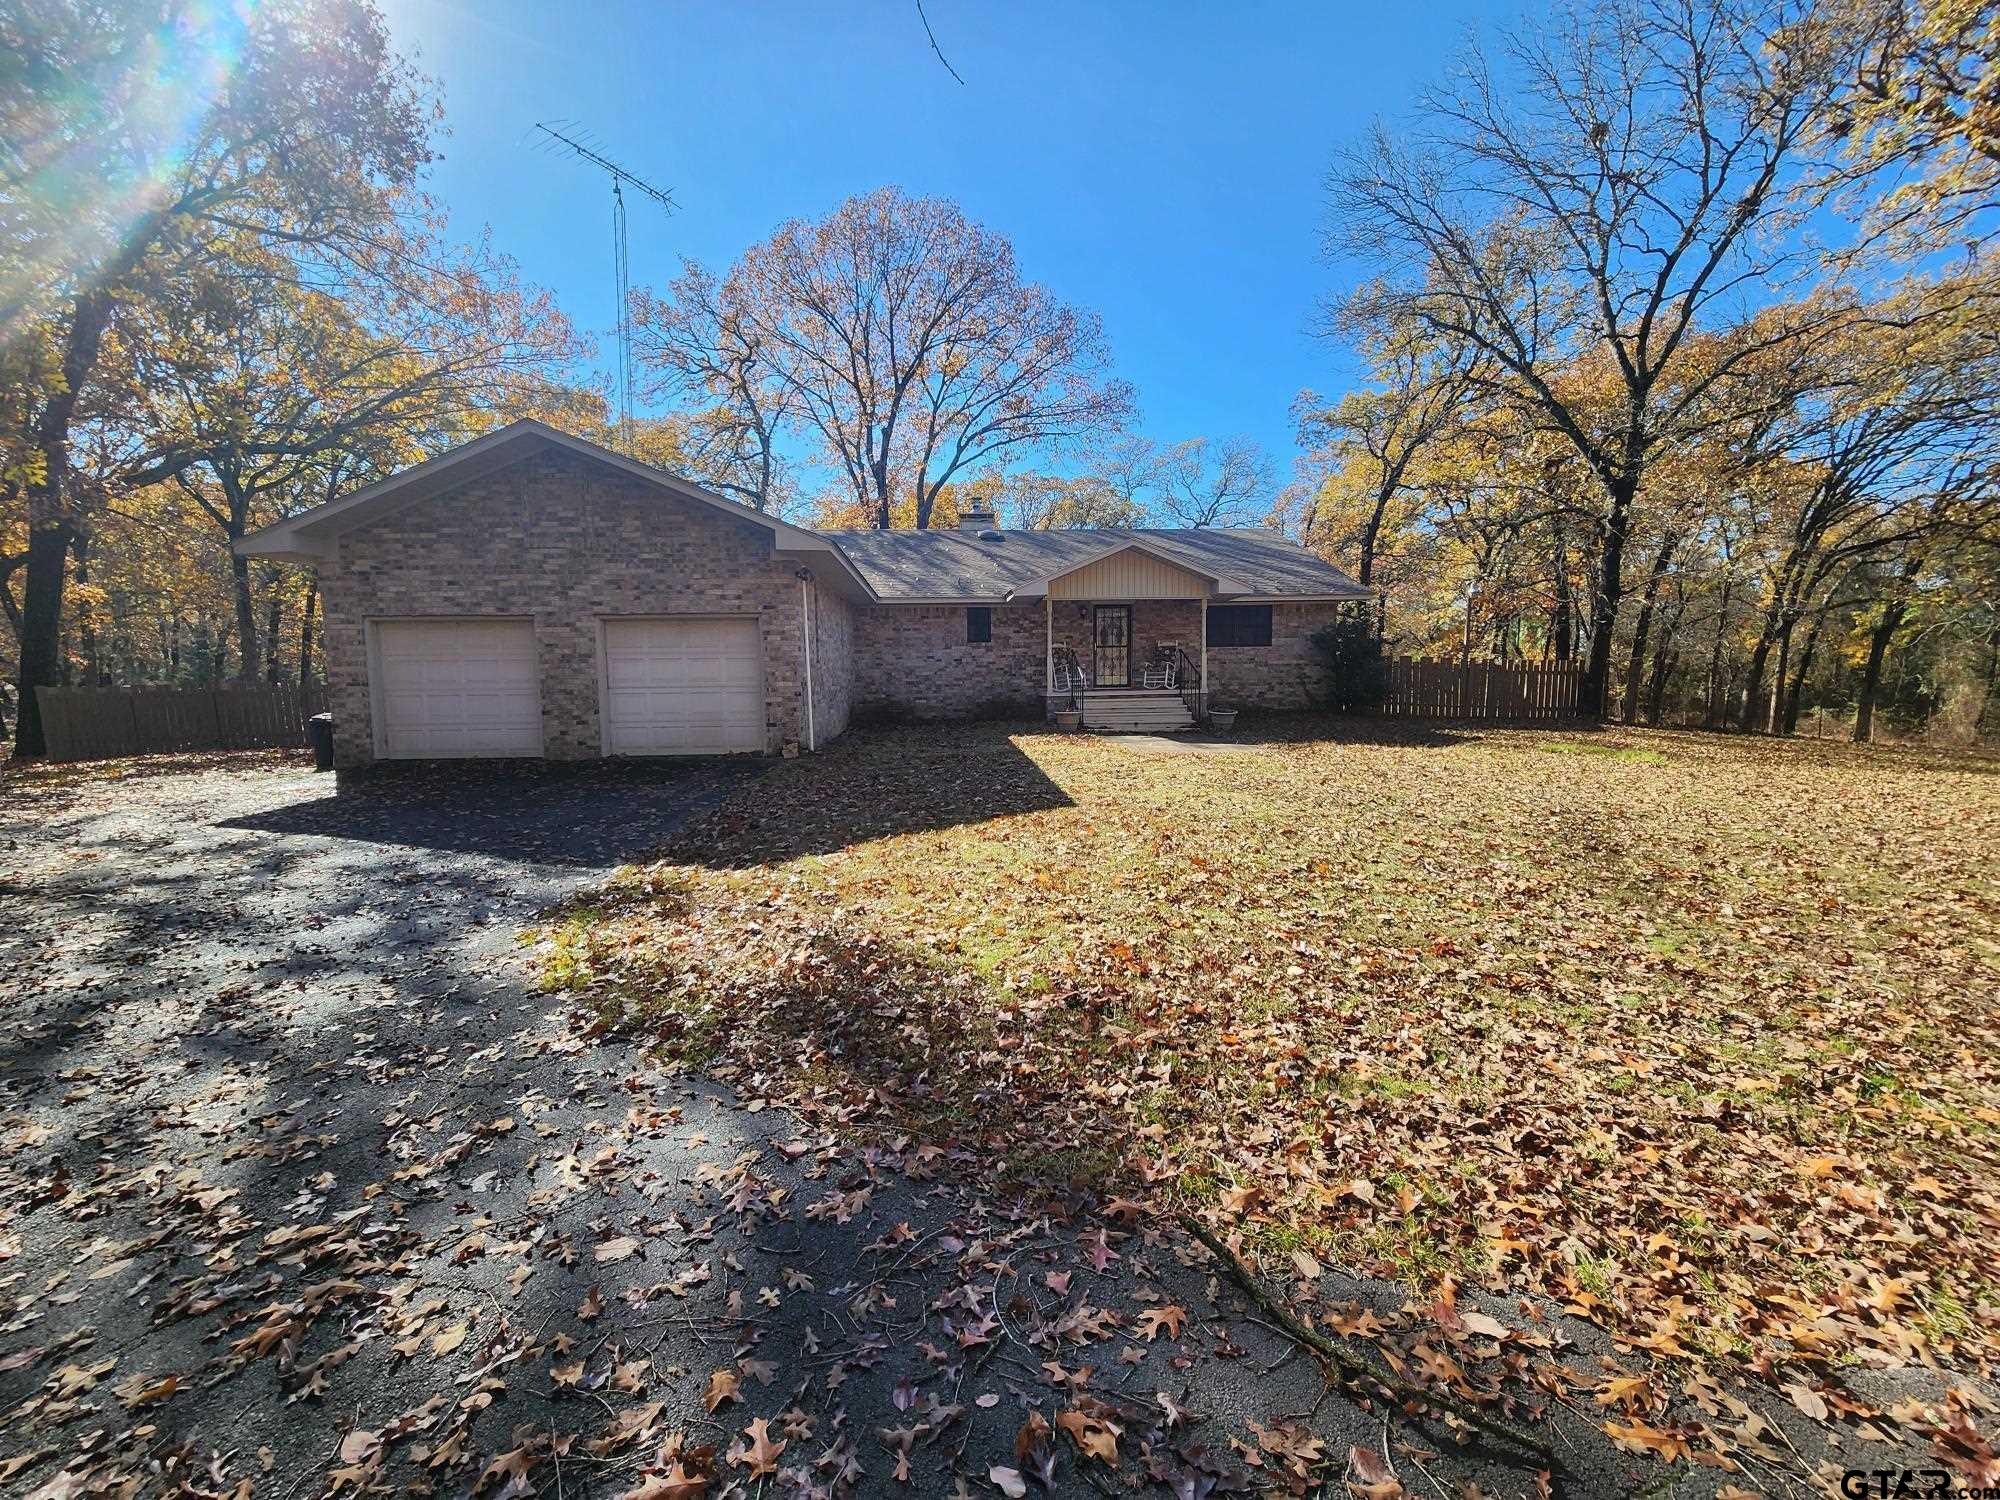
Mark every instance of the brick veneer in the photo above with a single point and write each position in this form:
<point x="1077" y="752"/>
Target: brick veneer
<point x="1286" y="674"/>
<point x="567" y="541"/>
<point x="913" y="661"/>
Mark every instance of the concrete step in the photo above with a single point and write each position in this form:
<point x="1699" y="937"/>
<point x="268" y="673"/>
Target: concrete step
<point x="1113" y="721"/>
<point x="1134" y="711"/>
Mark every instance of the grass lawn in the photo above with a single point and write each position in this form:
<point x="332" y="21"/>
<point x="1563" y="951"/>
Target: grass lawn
<point x="1696" y="1035"/>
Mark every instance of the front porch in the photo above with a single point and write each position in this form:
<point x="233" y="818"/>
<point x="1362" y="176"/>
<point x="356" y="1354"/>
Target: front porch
<point x="1127" y="665"/>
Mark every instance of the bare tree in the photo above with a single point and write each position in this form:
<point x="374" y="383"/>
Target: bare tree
<point x="904" y="338"/>
<point x="1198" y="481"/>
<point x="1215" y="482"/>
<point x="1048" y="502"/>
<point x="695" y="342"/>
<point x="1615" y="180"/>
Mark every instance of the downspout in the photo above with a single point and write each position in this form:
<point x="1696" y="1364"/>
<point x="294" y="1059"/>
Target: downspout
<point x="805" y="613"/>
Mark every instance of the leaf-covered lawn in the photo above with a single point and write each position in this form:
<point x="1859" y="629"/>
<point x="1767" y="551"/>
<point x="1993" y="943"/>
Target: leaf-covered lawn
<point x="1695" y="1035"/>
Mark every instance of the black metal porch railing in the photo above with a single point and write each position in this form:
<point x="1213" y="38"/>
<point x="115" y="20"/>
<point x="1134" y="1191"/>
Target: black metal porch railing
<point x="1068" y="682"/>
<point x="1187" y="676"/>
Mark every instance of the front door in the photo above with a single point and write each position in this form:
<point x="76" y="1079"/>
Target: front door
<point x="1112" y="633"/>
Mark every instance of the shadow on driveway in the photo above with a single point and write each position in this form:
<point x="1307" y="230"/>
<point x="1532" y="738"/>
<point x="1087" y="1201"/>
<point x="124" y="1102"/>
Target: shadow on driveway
<point x="595" y="815"/>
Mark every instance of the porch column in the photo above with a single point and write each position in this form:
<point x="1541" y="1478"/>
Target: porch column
<point x="1049" y="628"/>
<point x="1204" y="650"/>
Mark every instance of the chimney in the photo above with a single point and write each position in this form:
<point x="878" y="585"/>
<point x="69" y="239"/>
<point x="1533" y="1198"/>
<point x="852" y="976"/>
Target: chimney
<point x="977" y="516"/>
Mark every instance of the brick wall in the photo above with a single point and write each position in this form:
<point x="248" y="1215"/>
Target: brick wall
<point x="913" y="661"/>
<point x="1286" y="674"/>
<point x="566" y="541"/>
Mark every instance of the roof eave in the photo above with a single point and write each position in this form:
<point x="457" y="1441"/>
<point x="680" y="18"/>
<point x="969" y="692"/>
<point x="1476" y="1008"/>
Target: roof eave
<point x="1321" y="597"/>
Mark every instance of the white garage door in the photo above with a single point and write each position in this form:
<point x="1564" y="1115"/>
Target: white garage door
<point x="683" y="687"/>
<point x="458" y="688"/>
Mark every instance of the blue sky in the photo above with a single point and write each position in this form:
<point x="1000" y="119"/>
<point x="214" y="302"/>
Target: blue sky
<point x="1160" y="164"/>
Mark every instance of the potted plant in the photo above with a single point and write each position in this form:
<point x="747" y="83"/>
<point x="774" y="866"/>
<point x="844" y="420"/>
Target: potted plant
<point x="1069" y="720"/>
<point x="1222" y="720"/>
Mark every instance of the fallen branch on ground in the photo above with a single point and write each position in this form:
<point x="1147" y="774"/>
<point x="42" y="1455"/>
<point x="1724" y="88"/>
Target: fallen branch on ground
<point x="1351" y="1368"/>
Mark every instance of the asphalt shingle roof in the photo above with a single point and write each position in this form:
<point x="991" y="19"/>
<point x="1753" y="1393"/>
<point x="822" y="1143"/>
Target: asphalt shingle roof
<point x="955" y="565"/>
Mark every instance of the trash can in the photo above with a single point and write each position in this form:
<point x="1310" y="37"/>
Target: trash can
<point x="319" y="734"/>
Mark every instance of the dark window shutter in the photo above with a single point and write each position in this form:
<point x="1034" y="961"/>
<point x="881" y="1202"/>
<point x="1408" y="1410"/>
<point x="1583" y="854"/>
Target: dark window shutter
<point x="978" y="625"/>
<point x="1239" y="625"/>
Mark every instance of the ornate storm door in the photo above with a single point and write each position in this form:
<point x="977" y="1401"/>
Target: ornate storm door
<point x="1111" y="633"/>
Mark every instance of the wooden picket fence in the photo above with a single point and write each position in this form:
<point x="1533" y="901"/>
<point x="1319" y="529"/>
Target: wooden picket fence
<point x="97" y="723"/>
<point x="1421" y="689"/>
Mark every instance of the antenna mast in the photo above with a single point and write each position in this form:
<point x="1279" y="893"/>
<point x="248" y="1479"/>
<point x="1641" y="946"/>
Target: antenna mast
<point x="621" y="259"/>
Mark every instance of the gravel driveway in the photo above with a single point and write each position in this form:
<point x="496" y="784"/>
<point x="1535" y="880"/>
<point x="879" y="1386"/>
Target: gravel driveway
<point x="306" y="1188"/>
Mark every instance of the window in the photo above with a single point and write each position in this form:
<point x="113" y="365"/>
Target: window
<point x="1239" y="625"/>
<point x="978" y="625"/>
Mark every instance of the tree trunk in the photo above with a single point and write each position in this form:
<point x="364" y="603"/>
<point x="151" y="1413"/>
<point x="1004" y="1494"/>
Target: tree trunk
<point x="1371" y="534"/>
<point x="1643" y="627"/>
<point x="246" y="616"/>
<point x="1760" y="658"/>
<point x="306" y="632"/>
<point x="1775" y="717"/>
<point x="41" y="626"/>
<point x="271" y="633"/>
<point x="51" y="525"/>
<point x="1717" y="708"/>
<point x="1871" y="674"/>
<point x="1606" y="597"/>
<point x="1656" y="689"/>
<point x="1798" y="686"/>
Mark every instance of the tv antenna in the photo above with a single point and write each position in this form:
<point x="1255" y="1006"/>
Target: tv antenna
<point x="621" y="178"/>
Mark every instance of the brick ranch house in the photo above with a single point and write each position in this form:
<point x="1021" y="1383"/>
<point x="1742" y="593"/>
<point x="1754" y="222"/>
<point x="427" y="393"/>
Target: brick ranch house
<point x="532" y="594"/>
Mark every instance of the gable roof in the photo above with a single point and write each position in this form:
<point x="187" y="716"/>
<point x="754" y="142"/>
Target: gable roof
<point x="890" y="567"/>
<point x="953" y="566"/>
<point x="310" y="536"/>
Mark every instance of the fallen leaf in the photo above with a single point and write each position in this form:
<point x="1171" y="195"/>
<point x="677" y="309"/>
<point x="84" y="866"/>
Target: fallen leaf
<point x="612" y="1251"/>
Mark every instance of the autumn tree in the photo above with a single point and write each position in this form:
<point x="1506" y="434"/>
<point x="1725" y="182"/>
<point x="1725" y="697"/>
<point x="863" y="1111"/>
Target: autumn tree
<point x="254" y="392"/>
<point x="1610" y="181"/>
<point x="1890" y="437"/>
<point x="1364" y="446"/>
<point x="1922" y="97"/>
<point x="152" y="138"/>
<point x="1197" y="481"/>
<point x="901" y="336"/>
<point x="1214" y="482"/>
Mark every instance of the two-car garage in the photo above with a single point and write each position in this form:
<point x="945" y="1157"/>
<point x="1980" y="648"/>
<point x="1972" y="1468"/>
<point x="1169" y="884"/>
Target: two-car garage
<point x="531" y="595"/>
<point x="466" y="687"/>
